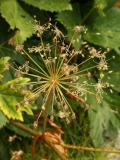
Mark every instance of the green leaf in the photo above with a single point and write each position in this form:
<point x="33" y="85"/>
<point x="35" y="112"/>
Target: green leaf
<point x="8" y="51"/>
<point x="18" y="131"/>
<point x="17" y="18"/>
<point x="96" y="123"/>
<point x="51" y="5"/>
<point x="23" y="133"/>
<point x="3" y="62"/>
<point x="9" y="98"/>
<point x="113" y="100"/>
<point x="100" y="119"/>
<point x="70" y="19"/>
<point x="4" y="150"/>
<point x="105" y="31"/>
<point x="114" y="66"/>
<point x="5" y="32"/>
<point x="101" y="5"/>
<point x="104" y="116"/>
<point x="3" y="119"/>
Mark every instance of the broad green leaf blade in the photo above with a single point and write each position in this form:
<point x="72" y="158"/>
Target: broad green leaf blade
<point x="17" y="18"/>
<point x="9" y="98"/>
<point x="51" y="5"/>
<point x="105" y="31"/>
<point x="70" y="19"/>
<point x="3" y="119"/>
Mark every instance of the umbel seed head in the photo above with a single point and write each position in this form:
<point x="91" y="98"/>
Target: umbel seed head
<point x="58" y="78"/>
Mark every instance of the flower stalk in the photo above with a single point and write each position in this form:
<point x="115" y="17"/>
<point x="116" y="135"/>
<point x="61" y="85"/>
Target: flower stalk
<point x="47" y="106"/>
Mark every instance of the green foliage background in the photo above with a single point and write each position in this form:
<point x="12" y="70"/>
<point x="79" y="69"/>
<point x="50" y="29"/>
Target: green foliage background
<point x="102" y="19"/>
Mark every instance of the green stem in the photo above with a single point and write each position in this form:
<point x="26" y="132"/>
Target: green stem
<point x="87" y="15"/>
<point x="91" y="149"/>
<point x="23" y="127"/>
<point x="47" y="105"/>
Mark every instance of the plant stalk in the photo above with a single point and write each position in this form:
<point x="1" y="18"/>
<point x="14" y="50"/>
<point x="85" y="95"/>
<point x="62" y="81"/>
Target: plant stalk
<point x="34" y="133"/>
<point x="47" y="105"/>
<point x="87" y="15"/>
<point x="23" y="127"/>
<point x="91" y="149"/>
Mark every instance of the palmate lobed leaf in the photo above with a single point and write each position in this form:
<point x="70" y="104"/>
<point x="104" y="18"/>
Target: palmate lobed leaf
<point x="9" y="98"/>
<point x="17" y="17"/>
<point x="105" y="31"/>
<point x="51" y="5"/>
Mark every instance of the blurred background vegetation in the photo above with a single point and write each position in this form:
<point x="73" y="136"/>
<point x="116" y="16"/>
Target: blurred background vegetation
<point x="98" y="127"/>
